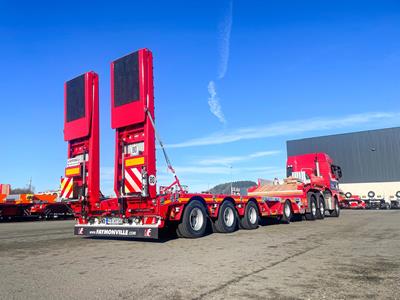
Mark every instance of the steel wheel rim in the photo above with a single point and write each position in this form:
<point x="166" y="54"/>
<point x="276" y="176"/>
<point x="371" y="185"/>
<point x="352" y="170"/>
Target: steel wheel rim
<point x="322" y="209"/>
<point x="287" y="210"/>
<point x="196" y="219"/>
<point x="313" y="208"/>
<point x="252" y="215"/>
<point x="229" y="216"/>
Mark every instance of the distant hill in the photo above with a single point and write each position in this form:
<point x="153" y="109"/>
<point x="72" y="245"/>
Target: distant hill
<point x="225" y="188"/>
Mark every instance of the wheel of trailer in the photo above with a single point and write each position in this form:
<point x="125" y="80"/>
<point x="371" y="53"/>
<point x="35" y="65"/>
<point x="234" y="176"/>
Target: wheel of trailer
<point x="312" y="214"/>
<point x="227" y="220"/>
<point x="287" y="212"/>
<point x="335" y="212"/>
<point x="251" y="217"/>
<point x="321" y="208"/>
<point x="194" y="221"/>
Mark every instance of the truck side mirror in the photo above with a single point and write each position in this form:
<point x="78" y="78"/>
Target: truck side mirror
<point x="339" y="172"/>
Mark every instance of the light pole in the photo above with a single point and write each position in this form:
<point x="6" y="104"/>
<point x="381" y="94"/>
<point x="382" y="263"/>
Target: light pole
<point x="231" y="179"/>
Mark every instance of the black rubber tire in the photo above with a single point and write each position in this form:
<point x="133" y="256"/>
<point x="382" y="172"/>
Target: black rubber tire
<point x="321" y="203"/>
<point x="220" y="223"/>
<point x="245" y="222"/>
<point x="178" y="233"/>
<point x="312" y="215"/>
<point x="286" y="218"/>
<point x="335" y="212"/>
<point x="184" y="228"/>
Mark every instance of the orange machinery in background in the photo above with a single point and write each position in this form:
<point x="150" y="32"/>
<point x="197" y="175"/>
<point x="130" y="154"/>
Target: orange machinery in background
<point x="40" y="205"/>
<point x="4" y="192"/>
<point x="12" y="206"/>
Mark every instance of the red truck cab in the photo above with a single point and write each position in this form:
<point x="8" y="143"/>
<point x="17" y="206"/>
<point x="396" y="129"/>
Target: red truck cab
<point x="318" y="168"/>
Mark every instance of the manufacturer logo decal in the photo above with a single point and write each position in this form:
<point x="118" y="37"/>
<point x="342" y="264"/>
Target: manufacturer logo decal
<point x="80" y="231"/>
<point x="147" y="232"/>
<point x="111" y="232"/>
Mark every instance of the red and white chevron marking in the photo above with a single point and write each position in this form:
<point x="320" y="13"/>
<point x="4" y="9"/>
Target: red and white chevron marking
<point x="66" y="187"/>
<point x="133" y="180"/>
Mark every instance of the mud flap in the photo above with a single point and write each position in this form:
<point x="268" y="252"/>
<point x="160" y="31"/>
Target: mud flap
<point x="116" y="231"/>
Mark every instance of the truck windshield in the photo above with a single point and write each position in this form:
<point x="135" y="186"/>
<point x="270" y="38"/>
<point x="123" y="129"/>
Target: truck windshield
<point x="289" y="171"/>
<point x="337" y="171"/>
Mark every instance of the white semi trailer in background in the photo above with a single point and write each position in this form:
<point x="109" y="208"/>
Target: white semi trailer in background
<point x="382" y="195"/>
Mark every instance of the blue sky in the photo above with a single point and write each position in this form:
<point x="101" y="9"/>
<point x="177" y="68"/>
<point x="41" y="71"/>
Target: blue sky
<point x="233" y="80"/>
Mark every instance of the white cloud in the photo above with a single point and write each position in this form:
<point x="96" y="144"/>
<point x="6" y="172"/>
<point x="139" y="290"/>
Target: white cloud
<point x="224" y="40"/>
<point x="202" y="170"/>
<point x="219" y="170"/>
<point x="264" y="171"/>
<point x="213" y="102"/>
<point x="287" y="128"/>
<point x="229" y="160"/>
<point x="225" y="28"/>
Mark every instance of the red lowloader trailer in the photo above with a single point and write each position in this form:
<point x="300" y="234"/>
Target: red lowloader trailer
<point x="138" y="210"/>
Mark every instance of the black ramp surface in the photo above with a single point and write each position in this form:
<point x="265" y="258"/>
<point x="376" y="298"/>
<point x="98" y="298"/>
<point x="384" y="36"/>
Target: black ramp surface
<point x="126" y="79"/>
<point x="76" y="98"/>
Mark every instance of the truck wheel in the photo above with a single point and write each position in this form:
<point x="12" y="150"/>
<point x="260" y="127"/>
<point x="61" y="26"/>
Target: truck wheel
<point x="312" y="215"/>
<point x="250" y="218"/>
<point x="287" y="212"/>
<point x="194" y="221"/>
<point x="321" y="208"/>
<point x="335" y="212"/>
<point x="227" y="220"/>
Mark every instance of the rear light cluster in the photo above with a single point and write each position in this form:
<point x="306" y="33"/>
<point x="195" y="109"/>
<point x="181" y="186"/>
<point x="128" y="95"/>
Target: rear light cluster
<point x="138" y="220"/>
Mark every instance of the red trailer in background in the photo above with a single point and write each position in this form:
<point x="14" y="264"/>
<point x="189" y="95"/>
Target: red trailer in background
<point x="352" y="201"/>
<point x="138" y="210"/>
<point x="47" y="206"/>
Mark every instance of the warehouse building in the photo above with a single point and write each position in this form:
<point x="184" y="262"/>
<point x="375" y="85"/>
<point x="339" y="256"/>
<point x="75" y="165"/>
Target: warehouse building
<point x="370" y="160"/>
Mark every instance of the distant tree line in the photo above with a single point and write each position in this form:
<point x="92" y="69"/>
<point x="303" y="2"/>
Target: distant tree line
<point x="22" y="191"/>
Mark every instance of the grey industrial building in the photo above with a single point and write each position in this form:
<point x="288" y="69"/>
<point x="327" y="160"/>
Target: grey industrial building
<point x="365" y="156"/>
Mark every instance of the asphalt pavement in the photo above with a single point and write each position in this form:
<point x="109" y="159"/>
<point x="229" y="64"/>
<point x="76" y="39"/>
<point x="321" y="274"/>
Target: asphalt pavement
<point x="356" y="256"/>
